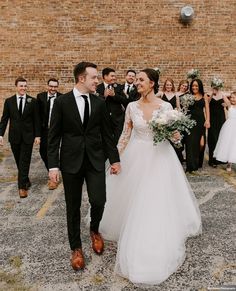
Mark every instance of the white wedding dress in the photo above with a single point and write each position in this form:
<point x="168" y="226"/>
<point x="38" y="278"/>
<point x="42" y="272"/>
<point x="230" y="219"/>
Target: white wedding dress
<point x="226" y="144"/>
<point x="150" y="208"/>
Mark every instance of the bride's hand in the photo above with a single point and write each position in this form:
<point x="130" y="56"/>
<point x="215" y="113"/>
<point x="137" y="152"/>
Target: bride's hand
<point x="176" y="136"/>
<point x="115" y="169"/>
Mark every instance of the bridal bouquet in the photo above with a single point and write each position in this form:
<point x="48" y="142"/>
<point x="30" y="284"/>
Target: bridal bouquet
<point x="185" y="101"/>
<point x="193" y="74"/>
<point x="217" y="83"/>
<point x="164" y="123"/>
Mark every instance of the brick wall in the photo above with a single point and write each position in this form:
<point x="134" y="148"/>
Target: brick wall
<point x="40" y="39"/>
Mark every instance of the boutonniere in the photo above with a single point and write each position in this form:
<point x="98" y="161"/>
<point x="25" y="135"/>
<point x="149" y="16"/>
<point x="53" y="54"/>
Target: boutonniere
<point x="96" y="94"/>
<point x="28" y="100"/>
<point x="114" y="85"/>
<point x="131" y="88"/>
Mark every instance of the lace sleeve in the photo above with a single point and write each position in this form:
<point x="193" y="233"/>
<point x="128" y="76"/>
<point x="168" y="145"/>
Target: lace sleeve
<point x="126" y="133"/>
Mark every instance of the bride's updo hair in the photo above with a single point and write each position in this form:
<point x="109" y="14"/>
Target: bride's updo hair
<point x="153" y="76"/>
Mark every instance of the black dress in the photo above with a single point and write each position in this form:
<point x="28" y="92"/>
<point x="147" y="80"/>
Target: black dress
<point x="217" y="119"/>
<point x="194" y="157"/>
<point x="179" y="151"/>
<point x="172" y="101"/>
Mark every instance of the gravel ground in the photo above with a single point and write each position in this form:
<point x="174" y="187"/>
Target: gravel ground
<point x="34" y="253"/>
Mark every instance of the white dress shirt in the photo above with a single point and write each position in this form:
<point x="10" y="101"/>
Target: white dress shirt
<point x="23" y="102"/>
<point x="130" y="87"/>
<point x="81" y="103"/>
<point x="51" y="105"/>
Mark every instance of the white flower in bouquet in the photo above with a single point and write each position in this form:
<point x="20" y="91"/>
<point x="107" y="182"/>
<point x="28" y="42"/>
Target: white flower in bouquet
<point x="186" y="100"/>
<point x="193" y="73"/>
<point x="165" y="123"/>
<point x="217" y="83"/>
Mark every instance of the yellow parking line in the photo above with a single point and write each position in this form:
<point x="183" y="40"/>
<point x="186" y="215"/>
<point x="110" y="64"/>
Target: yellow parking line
<point x="46" y="206"/>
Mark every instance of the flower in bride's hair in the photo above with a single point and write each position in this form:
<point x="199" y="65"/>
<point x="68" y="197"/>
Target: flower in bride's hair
<point x="158" y="70"/>
<point x="193" y="74"/>
<point x="217" y="83"/>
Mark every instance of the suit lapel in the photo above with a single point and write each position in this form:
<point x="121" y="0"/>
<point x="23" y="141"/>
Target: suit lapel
<point x="74" y="108"/>
<point x="28" y="101"/>
<point x="14" y="103"/>
<point x="93" y="109"/>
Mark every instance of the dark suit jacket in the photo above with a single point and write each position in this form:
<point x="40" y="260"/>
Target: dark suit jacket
<point x="66" y="127"/>
<point x="115" y="104"/>
<point x="42" y="102"/>
<point x="133" y="94"/>
<point x="25" y="127"/>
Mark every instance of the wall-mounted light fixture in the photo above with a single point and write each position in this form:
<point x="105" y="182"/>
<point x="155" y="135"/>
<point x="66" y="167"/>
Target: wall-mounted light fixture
<point x="186" y="14"/>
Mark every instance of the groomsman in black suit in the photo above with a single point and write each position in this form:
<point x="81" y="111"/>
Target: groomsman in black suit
<point x="24" y="130"/>
<point x="129" y="87"/>
<point x="80" y="126"/>
<point x="46" y="100"/>
<point x="115" y="98"/>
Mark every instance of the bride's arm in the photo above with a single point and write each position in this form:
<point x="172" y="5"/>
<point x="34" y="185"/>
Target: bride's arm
<point x="127" y="130"/>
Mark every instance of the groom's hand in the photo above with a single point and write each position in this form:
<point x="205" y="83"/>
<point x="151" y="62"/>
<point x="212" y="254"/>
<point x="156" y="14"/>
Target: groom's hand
<point x="115" y="169"/>
<point x="54" y="175"/>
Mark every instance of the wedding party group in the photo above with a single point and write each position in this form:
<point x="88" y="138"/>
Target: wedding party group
<point x="143" y="200"/>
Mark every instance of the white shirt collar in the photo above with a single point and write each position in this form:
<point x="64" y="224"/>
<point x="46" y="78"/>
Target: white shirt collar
<point x="18" y="96"/>
<point x="49" y="95"/>
<point x="105" y="84"/>
<point x="77" y="93"/>
<point x="127" y="84"/>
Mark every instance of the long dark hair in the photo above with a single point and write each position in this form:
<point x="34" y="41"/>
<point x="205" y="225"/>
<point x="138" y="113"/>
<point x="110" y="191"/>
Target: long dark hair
<point x="152" y="76"/>
<point x="200" y="86"/>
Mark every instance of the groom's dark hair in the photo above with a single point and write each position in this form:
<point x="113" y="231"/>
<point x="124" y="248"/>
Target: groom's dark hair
<point x="80" y="69"/>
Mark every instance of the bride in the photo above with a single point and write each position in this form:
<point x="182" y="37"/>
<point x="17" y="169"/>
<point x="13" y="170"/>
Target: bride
<point x="151" y="208"/>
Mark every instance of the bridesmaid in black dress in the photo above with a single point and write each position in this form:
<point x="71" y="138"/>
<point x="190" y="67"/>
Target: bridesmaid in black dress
<point x="181" y="91"/>
<point x="217" y="114"/>
<point x="168" y="94"/>
<point x="195" y="142"/>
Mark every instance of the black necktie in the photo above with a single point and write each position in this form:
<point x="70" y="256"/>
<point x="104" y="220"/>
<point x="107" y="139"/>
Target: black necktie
<point x="86" y="111"/>
<point x="21" y="105"/>
<point x="128" y="88"/>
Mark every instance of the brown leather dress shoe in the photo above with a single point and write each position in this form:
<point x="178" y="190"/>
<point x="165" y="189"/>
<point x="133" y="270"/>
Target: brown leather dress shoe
<point x="23" y="193"/>
<point x="77" y="259"/>
<point x="52" y="185"/>
<point x="97" y="242"/>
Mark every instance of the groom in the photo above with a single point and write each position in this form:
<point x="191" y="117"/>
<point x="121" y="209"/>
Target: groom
<point x="80" y="126"/>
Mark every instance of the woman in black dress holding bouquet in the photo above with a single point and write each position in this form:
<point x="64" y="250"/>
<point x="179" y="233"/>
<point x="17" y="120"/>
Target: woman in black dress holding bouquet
<point x="195" y="142"/>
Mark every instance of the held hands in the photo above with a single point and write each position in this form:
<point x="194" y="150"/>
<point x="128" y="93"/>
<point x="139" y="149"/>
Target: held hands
<point x="207" y="124"/>
<point x="37" y="141"/>
<point x="54" y="175"/>
<point x="115" y="169"/>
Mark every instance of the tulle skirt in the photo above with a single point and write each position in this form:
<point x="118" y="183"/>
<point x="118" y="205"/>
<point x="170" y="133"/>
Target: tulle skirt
<point x="226" y="144"/>
<point x="150" y="211"/>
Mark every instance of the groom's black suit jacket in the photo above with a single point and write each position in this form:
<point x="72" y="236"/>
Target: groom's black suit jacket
<point x="66" y="126"/>
<point x="22" y="128"/>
